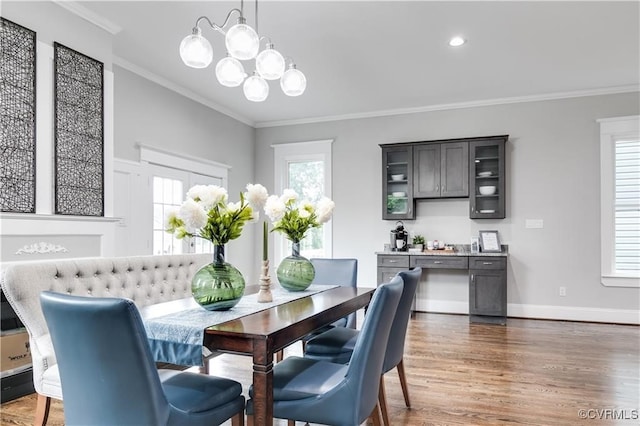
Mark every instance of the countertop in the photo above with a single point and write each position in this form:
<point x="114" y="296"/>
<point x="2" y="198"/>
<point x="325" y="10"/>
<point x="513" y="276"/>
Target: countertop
<point x="459" y="250"/>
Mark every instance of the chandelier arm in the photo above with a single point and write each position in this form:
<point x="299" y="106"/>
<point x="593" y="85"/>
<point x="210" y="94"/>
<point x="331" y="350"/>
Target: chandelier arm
<point x="213" y="25"/>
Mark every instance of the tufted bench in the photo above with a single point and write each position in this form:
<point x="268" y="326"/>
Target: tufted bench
<point x="146" y="280"/>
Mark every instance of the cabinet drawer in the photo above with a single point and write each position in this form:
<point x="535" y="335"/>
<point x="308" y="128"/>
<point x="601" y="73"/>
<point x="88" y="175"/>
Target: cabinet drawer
<point x="444" y="262"/>
<point x="487" y="262"/>
<point x="395" y="261"/>
<point x="386" y="274"/>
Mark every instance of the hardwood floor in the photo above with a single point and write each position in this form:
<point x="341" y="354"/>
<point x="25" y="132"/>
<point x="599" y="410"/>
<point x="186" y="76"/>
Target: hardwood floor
<point x="530" y="372"/>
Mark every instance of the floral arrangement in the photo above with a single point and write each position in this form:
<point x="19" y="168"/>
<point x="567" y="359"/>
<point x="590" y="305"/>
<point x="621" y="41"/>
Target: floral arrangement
<point x="207" y="213"/>
<point x="294" y="218"/>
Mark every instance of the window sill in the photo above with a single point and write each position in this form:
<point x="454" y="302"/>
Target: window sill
<point x="620" y="281"/>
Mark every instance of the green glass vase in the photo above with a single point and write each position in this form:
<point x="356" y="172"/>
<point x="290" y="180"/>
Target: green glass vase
<point x="218" y="286"/>
<point x="295" y="272"/>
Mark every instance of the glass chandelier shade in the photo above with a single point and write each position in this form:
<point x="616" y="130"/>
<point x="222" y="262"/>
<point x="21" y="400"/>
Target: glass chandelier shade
<point x="195" y="50"/>
<point x="256" y="89"/>
<point x="270" y="63"/>
<point x="242" y="42"/>
<point x="230" y="72"/>
<point x="293" y="82"/>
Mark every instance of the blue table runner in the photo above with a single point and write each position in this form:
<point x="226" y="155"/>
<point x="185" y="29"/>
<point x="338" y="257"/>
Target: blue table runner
<point x="178" y="338"/>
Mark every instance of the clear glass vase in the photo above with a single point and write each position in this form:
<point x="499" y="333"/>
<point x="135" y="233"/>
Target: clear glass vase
<point x="219" y="285"/>
<point x="295" y="272"/>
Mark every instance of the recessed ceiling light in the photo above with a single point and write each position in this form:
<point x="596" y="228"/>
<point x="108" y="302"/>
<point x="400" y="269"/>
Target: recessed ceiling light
<point x="457" y="41"/>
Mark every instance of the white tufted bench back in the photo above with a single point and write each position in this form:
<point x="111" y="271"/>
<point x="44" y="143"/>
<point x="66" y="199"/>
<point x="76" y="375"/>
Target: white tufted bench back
<point x="144" y="279"/>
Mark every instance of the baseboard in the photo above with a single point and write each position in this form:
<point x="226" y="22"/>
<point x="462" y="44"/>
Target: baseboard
<point x="571" y="313"/>
<point x="551" y="312"/>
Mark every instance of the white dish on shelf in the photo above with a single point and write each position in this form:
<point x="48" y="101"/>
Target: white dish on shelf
<point x="485" y="174"/>
<point x="397" y="177"/>
<point x="487" y="190"/>
<point x="487" y="211"/>
<point x="399" y="194"/>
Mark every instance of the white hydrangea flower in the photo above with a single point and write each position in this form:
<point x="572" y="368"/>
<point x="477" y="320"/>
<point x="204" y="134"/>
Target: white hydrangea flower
<point x="193" y="215"/>
<point x="305" y="209"/>
<point x="196" y="191"/>
<point x="288" y="196"/>
<point x="275" y="208"/>
<point x="324" y="209"/>
<point x="207" y="195"/>
<point x="233" y="207"/>
<point x="170" y="217"/>
<point x="256" y="196"/>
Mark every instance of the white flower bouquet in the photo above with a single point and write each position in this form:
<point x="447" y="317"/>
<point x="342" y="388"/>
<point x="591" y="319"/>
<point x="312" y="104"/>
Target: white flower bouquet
<point x="207" y="213"/>
<point x="294" y="218"/>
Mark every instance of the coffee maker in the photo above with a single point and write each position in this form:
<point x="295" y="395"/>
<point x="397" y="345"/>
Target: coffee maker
<point x="399" y="238"/>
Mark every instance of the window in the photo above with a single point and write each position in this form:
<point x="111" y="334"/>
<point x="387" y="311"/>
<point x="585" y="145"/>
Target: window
<point x="167" y="195"/>
<point x="169" y="187"/>
<point x="305" y="167"/>
<point x="620" y="201"/>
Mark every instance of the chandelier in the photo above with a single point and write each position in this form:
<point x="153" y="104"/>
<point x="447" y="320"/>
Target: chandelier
<point x="243" y="44"/>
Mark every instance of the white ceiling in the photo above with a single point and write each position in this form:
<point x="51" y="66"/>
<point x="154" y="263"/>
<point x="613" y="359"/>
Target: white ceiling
<point x="366" y="58"/>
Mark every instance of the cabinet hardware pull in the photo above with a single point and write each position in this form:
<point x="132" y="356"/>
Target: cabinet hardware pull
<point x="487" y="263"/>
<point x="393" y="261"/>
<point x="472" y="277"/>
<point x="437" y="262"/>
<point x="437" y="186"/>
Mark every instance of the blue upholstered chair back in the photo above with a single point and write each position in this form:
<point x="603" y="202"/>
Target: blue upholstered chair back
<point x="368" y="355"/>
<point x="106" y="367"/>
<point x="342" y="272"/>
<point x="395" y="347"/>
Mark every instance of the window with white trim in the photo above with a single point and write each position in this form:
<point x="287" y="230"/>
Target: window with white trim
<point x="306" y="168"/>
<point x="620" y="201"/>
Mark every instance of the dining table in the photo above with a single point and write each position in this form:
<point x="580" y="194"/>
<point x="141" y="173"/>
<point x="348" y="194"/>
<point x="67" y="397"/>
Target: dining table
<point x="263" y="332"/>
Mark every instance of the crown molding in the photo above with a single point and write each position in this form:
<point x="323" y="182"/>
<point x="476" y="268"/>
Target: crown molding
<point x="458" y="105"/>
<point x="90" y="16"/>
<point x="142" y="72"/>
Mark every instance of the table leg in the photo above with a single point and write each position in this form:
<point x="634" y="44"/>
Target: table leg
<point x="262" y="384"/>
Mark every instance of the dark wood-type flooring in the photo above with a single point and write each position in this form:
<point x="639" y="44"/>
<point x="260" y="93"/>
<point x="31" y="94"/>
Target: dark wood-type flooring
<point x="530" y="372"/>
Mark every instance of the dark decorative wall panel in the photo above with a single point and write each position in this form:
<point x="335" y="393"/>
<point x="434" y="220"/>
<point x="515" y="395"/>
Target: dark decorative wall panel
<point x="17" y="118"/>
<point x="79" y="134"/>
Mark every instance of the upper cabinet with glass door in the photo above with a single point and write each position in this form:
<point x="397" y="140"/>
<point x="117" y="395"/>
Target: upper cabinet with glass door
<point x="397" y="182"/>
<point x="487" y="178"/>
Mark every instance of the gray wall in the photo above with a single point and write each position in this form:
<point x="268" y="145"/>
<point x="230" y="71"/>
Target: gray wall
<point x="552" y="174"/>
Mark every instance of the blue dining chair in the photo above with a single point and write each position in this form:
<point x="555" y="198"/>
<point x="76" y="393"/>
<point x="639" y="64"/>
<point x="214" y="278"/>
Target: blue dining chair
<point x="109" y="377"/>
<point x="322" y="392"/>
<point x="342" y="272"/>
<point x="337" y="345"/>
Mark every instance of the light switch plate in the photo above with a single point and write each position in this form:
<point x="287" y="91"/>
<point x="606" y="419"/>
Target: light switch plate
<point x="534" y="223"/>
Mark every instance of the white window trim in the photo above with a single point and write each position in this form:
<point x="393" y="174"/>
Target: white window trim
<point x="166" y="158"/>
<point x="611" y="130"/>
<point x="286" y="153"/>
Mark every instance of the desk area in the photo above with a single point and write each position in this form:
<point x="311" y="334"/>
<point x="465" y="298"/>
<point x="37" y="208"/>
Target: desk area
<point x="487" y="276"/>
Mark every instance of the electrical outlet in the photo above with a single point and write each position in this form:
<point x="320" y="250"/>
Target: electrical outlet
<point x="563" y="291"/>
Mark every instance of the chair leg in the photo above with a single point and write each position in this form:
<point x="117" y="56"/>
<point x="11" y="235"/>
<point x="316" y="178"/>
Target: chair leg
<point x="249" y="419"/>
<point x="375" y="416"/>
<point x="43" y="405"/>
<point x="279" y="355"/>
<point x="403" y="383"/>
<point x="382" y="402"/>
<point x="291" y="423"/>
<point x="238" y="419"/>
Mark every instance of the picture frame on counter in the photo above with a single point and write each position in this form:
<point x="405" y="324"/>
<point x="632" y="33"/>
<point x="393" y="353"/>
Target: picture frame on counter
<point x="490" y="242"/>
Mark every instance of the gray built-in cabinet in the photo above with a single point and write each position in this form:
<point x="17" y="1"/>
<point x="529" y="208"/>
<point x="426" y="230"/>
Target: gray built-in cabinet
<point x="450" y="168"/>
<point x="487" y="278"/>
<point x="440" y="170"/>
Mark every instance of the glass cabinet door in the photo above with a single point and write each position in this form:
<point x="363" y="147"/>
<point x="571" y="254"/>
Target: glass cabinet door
<point x="397" y="182"/>
<point x="487" y="179"/>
